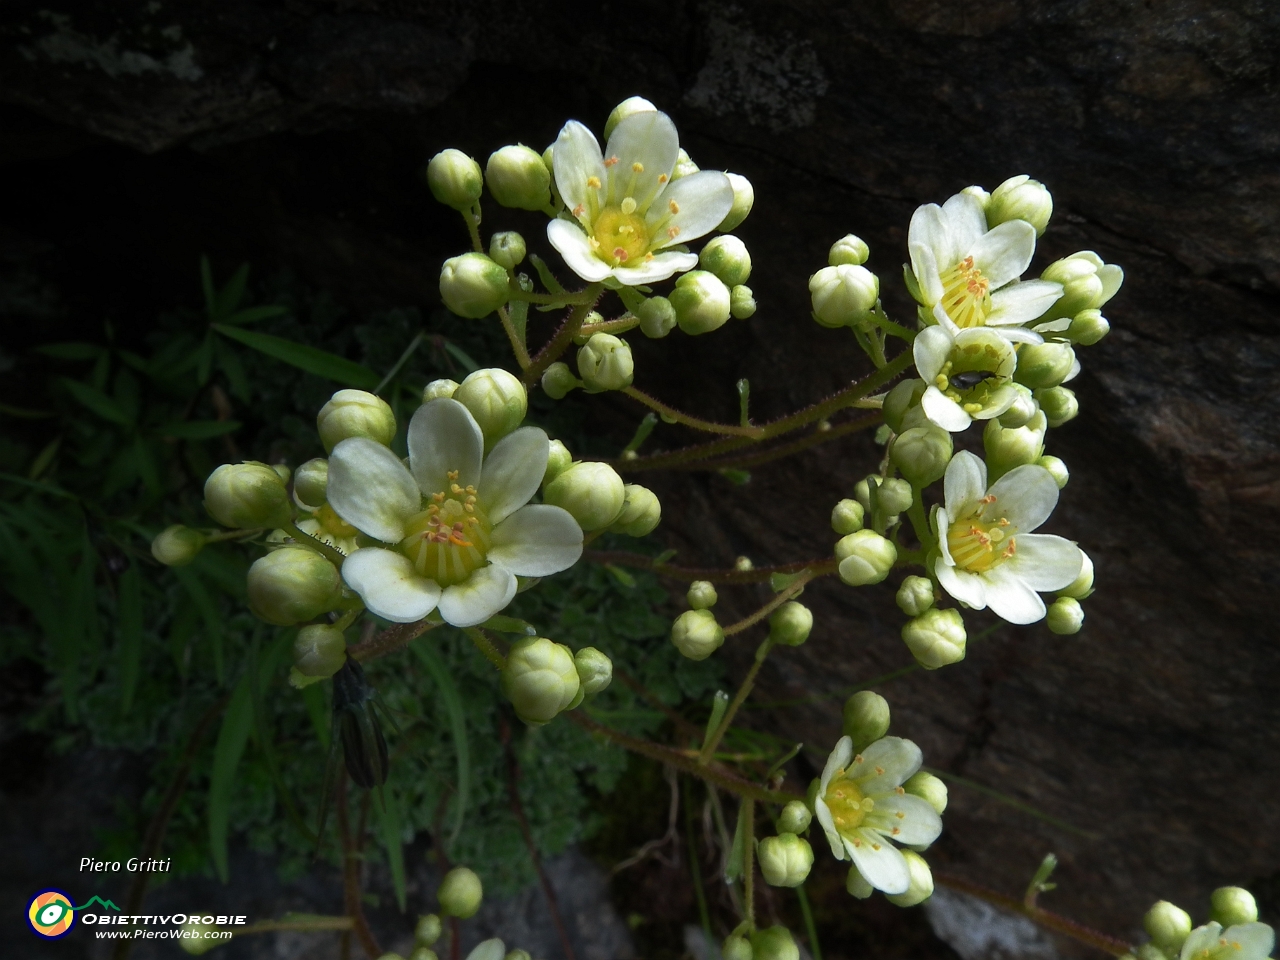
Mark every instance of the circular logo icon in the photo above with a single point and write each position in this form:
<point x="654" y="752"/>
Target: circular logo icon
<point x="50" y="914"/>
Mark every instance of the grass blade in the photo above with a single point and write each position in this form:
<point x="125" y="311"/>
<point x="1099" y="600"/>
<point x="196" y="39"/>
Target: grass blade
<point x="320" y="362"/>
<point x="457" y="725"/>
<point x="227" y="752"/>
<point x="391" y="826"/>
<point x="129" y="617"/>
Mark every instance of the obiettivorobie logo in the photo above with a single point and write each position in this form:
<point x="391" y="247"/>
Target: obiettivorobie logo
<point x="52" y="916"/>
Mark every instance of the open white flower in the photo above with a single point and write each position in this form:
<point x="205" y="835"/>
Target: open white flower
<point x="969" y="372"/>
<point x="990" y="557"/>
<point x="969" y="275"/>
<point x="458" y="524"/>
<point x="861" y="805"/>
<point x="1244" y="941"/>
<point x="626" y="210"/>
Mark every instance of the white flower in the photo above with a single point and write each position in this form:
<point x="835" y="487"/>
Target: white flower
<point x="952" y="360"/>
<point x="1244" y="941"/>
<point x="861" y="804"/>
<point x="625" y="207"/>
<point x="458" y="523"/>
<point x="969" y="274"/>
<point x="990" y="557"/>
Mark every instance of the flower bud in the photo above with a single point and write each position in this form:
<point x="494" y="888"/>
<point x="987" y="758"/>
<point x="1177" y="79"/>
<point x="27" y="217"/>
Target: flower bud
<point x="702" y="595"/>
<point x="1065" y="616"/>
<point x="744" y="197"/>
<point x="282" y="471"/>
<point x="593" y="494"/>
<point x="743" y="565"/>
<point x="696" y="634"/>
<point x="857" y="886"/>
<point x="701" y="301"/>
<point x="1020" y="198"/>
<point x="727" y="257"/>
<point x="293" y="584"/>
<point x="849" y="250"/>
<point x="735" y="948"/>
<point x="795" y="818"/>
<point x="455" y="179"/>
<point x="1168" y="926"/>
<point x="982" y="196"/>
<point x="657" y="317"/>
<point x="507" y="248"/>
<point x="936" y="638"/>
<point x="895" y="495"/>
<point x="595" y="670"/>
<point x="439" y="390"/>
<point x="604" y="363"/>
<point x="492" y="949"/>
<point x="423" y="953"/>
<point x="847" y="516"/>
<point x="1007" y="448"/>
<point x="1059" y="404"/>
<point x="1148" y="951"/>
<point x="866" y="718"/>
<point x="842" y="296"/>
<point x="246" y="495"/>
<point x="641" y="512"/>
<point x="540" y="679"/>
<point x="901" y="398"/>
<point x="311" y="483"/>
<point x="921" y="454"/>
<point x="428" y="930"/>
<point x="1087" y="283"/>
<point x="559" y="459"/>
<point x="473" y="286"/>
<point x="928" y="788"/>
<point x="1023" y="408"/>
<point x="518" y="955"/>
<point x="915" y="596"/>
<point x="518" y="178"/>
<point x="775" y="943"/>
<point x="496" y="399"/>
<point x="1056" y="468"/>
<point x="558" y="381"/>
<point x="355" y="413"/>
<point x="785" y="860"/>
<point x="460" y="893"/>
<point x="194" y="940"/>
<point x="176" y="546"/>
<point x="790" y="625"/>
<point x="742" y="302"/>
<point x="920" y="887"/>
<point x="865" y="557"/>
<point x="1044" y="364"/>
<point x="319" y="650"/>
<point x="627" y="108"/>
<point x="1087" y="328"/>
<point x="685" y="167"/>
<point x="1081" y="586"/>
<point x="1230" y="906"/>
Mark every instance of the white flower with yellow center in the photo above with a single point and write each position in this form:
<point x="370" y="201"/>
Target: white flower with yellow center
<point x="625" y="207"/>
<point x="1244" y="941"/>
<point x="457" y="525"/>
<point x="969" y="372"/>
<point x="862" y="806"/>
<point x="990" y="557"/>
<point x="968" y="274"/>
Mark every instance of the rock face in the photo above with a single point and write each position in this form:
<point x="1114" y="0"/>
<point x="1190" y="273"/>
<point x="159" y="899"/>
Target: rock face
<point x="291" y="133"/>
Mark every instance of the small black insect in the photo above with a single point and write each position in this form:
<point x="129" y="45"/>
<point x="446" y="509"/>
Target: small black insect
<point x="355" y="715"/>
<point x="969" y="379"/>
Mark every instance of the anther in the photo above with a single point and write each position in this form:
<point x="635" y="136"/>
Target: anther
<point x="593" y="183"/>
<point x="662" y="178"/>
<point x="673" y="206"/>
<point x="637" y="167"/>
<point x="611" y="161"/>
<point x="673" y="231"/>
<point x="620" y="254"/>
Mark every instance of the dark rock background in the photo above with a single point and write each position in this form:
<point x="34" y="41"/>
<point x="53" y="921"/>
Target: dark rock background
<point x="136" y="136"/>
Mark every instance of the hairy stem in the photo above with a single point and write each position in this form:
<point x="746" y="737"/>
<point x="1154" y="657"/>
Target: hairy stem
<point x="746" y="461"/>
<point x="749" y="681"/>
<point x="783" y="596"/>
<point x="351" y="873"/>
<point x="336" y="557"/>
<point x="706" y="426"/>
<point x="486" y="646"/>
<point x="622" y="558"/>
<point x="564" y="336"/>
<point x="390" y="640"/>
<point x="517" y="344"/>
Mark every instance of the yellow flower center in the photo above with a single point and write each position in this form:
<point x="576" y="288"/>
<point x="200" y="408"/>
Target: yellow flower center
<point x="621" y="237"/>
<point x="333" y="524"/>
<point x="847" y="804"/>
<point x="982" y="540"/>
<point x="449" y="539"/>
<point x="965" y="294"/>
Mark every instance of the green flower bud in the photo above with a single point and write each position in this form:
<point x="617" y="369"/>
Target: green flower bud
<point x="291" y="585"/>
<point x="1044" y="364"/>
<point x="1149" y="951"/>
<point x="790" y="625"/>
<point x="455" y="179"/>
<point x="518" y="955"/>
<point x="641" y="512"/>
<point x="862" y="490"/>
<point x="1059" y="404"/>
<point x="921" y="883"/>
<point x="795" y="817"/>
<point x="355" y="413"/>
<point x="1167" y="925"/>
<point x="473" y="286"/>
<point x="558" y="381"/>
<point x="247" y="495"/>
<point x="895" y="495"/>
<point x="1065" y="616"/>
<point x="507" y="248"/>
<point x="743" y="565"/>
<point x="928" y="788"/>
<point x="921" y="454"/>
<point x="595" y="670"/>
<point x="493" y="949"/>
<point x="423" y="953"/>
<point x="915" y="596"/>
<point x="194" y="941"/>
<point x="439" y="389"/>
<point x="899" y="400"/>
<point x="605" y="363"/>
<point x="460" y="893"/>
<point x="1023" y="409"/>
<point x="735" y="948"/>
<point x="727" y="257"/>
<point x="628" y="107"/>
<point x="849" y="250"/>
<point x="1056" y="468"/>
<point x="701" y="301"/>
<point x="496" y="399"/>
<point x="775" y="943"/>
<point x="936" y="638"/>
<point x="540" y="679"/>
<point x="865" y="558"/>
<point x="311" y="483"/>
<point x="696" y="634"/>
<point x="1081" y="586"/>
<point x="785" y="860"/>
<point x="842" y="296"/>
<point x="742" y="303"/>
<point x="518" y="178"/>
<point x="744" y="197"/>
<point x="702" y="595"/>
<point x="1007" y="447"/>
<point x="282" y="471"/>
<point x="176" y="546"/>
<point x="593" y="494"/>
<point x="866" y="718"/>
<point x="685" y="167"/>
<point x="1020" y="198"/>
<point x="428" y="930"/>
<point x="1087" y="328"/>
<point x="847" y="516"/>
<point x="1087" y="284"/>
<point x="319" y="650"/>
<point x="559" y="459"/>
<point x="657" y="317"/>
<point x="857" y="884"/>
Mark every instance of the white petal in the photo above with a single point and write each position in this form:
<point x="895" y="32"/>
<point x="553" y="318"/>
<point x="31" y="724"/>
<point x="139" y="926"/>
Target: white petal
<point x="479" y="597"/>
<point x="943" y="319"/>
<point x="575" y="158"/>
<point x="1005" y="252"/>
<point x="998" y="402"/>
<point x="1248" y="941"/>
<point x="512" y="472"/>
<point x="930" y="350"/>
<point x="1045" y="562"/>
<point x="919" y="823"/>
<point x="938" y="523"/>
<point x="823" y="814"/>
<point x="444" y="437"/>
<point x="1054" y="326"/>
<point x="648" y="138"/>
<point x="1111" y="276"/>
<point x="886" y="764"/>
<point x="539" y="540"/>
<point x="965" y="482"/>
<point x="966" y="587"/>
<point x="1073" y="372"/>
<point x="371" y="489"/>
<point x="388" y="584"/>
<point x="838" y="760"/>
<point x="575" y="248"/>
<point x="1018" y="334"/>
<point x="929" y="229"/>
<point x="966" y="223"/>
<point x="880" y="862"/>
<point x="493" y="949"/>
<point x="1022" y="302"/>
<point x="703" y="200"/>
<point x="1201" y="941"/>
<point x="1025" y="496"/>
<point x="665" y="263"/>
<point x="943" y="411"/>
<point x="924" y="266"/>
<point x="1011" y="599"/>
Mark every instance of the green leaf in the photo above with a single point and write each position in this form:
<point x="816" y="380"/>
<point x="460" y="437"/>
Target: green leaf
<point x="97" y="401"/>
<point x="457" y="725"/>
<point x="321" y="363"/>
<point x="232" y="292"/>
<point x="736" y="862"/>
<point x="737" y="477"/>
<point x="199" y="595"/>
<point x="206" y="285"/>
<point x="232" y="737"/>
<point x="44" y="458"/>
<point x="505" y="624"/>
<point x="129" y="622"/>
<point x="318" y="712"/>
<point x="621" y="575"/>
<point x="254" y="314"/>
<point x="71" y="351"/>
<point x="230" y="364"/>
<point x="204" y="359"/>
<point x="391" y="824"/>
<point x="642" y="432"/>
<point x="198" y="429"/>
<point x="146" y="463"/>
<point x="22" y="413"/>
<point x="460" y="355"/>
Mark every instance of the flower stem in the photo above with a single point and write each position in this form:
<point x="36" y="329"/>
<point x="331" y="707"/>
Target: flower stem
<point x="486" y="646"/>
<point x="713" y="741"/>
<point x="617" y="325"/>
<point x="334" y="556"/>
<point x="706" y="426"/>
<point x="919" y="523"/>
<point x="819" y="567"/>
<point x="583" y="296"/>
<point x="749" y="862"/>
<point x="303" y="926"/>
<point x="782" y="597"/>
<point x="818" y="436"/>
<point x="517" y="342"/>
<point x="472" y="219"/>
<point x="390" y="640"/>
<point x="809" y="927"/>
<point x="564" y="336"/>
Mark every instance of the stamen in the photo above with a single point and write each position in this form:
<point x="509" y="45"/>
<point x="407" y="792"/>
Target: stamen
<point x="593" y="182"/>
<point x="673" y="206"/>
<point x="451" y="474"/>
<point x="662" y="178"/>
<point x="578" y="211"/>
<point x="628" y="205"/>
<point x="673" y="231"/>
<point x="637" y="167"/>
<point x="611" y="161"/>
<point x="620" y="254"/>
